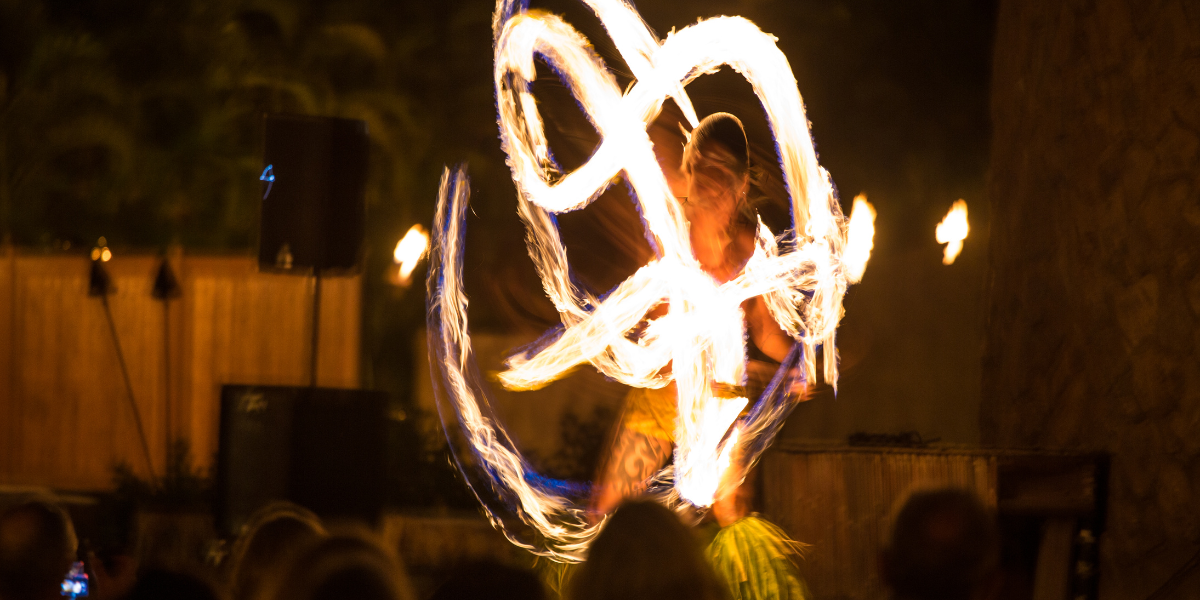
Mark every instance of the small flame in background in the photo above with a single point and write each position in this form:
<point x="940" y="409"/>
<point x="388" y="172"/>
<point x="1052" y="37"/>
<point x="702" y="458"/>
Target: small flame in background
<point x="802" y="277"/>
<point x="860" y="239"/>
<point x="101" y="251"/>
<point x="409" y="251"/>
<point x="952" y="231"/>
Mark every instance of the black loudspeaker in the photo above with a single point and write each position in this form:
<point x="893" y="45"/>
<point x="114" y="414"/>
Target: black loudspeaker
<point x="321" y="448"/>
<point x="314" y="182"/>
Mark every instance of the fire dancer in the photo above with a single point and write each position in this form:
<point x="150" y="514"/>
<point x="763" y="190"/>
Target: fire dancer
<point x="736" y="284"/>
<point x="716" y="168"/>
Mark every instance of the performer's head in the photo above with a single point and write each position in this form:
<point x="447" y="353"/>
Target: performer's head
<point x="716" y="162"/>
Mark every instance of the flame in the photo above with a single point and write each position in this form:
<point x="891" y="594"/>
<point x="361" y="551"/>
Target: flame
<point x="952" y="231"/>
<point x="801" y="277"/>
<point x="410" y="250"/>
<point x="860" y="239"/>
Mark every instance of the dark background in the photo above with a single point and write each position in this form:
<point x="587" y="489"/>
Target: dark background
<point x="140" y="121"/>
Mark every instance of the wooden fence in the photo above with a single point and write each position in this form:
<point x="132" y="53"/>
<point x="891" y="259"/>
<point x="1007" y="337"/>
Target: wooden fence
<point x="65" y="415"/>
<point x="841" y="501"/>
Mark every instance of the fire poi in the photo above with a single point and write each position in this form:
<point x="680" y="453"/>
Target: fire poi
<point x="698" y="347"/>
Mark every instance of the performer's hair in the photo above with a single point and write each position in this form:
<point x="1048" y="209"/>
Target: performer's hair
<point x="645" y="552"/>
<point x="726" y="130"/>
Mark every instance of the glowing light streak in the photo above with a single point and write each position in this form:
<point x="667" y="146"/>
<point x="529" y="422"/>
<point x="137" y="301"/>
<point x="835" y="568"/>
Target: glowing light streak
<point x="952" y="231"/>
<point x="860" y="238"/>
<point x="802" y="278"/>
<point x="410" y="250"/>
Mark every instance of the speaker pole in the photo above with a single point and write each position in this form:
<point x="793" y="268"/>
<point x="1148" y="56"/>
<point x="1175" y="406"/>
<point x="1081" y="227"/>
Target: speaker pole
<point x="166" y="287"/>
<point x="316" y="327"/>
<point x="137" y="414"/>
<point x="99" y="284"/>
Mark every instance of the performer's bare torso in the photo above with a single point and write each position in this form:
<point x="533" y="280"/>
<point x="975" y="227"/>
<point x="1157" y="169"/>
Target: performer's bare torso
<point x="722" y="240"/>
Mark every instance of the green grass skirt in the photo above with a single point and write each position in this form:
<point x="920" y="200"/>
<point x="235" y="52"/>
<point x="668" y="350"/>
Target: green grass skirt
<point x="757" y="561"/>
<point x="754" y="558"/>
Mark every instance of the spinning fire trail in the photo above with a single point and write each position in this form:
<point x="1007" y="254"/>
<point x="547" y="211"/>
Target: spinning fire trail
<point x="802" y="277"/>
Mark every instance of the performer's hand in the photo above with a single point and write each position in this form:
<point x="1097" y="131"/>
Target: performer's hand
<point x="799" y="391"/>
<point x="730" y="506"/>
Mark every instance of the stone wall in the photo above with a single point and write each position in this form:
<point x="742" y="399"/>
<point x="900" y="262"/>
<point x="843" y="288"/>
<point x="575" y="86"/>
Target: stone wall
<point x="1094" y="286"/>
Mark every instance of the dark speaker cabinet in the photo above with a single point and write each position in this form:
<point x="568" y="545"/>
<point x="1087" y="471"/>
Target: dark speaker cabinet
<point x="314" y="185"/>
<point x="321" y="448"/>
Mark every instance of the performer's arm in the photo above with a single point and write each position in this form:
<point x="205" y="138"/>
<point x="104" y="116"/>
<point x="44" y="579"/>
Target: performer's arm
<point x="766" y="334"/>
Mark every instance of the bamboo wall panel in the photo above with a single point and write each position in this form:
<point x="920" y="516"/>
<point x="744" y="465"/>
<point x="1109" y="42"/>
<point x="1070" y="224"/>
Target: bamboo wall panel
<point x="65" y="417"/>
<point x="9" y="442"/>
<point x="841" y="502"/>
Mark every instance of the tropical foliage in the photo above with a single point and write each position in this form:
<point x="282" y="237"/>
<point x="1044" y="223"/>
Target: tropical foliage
<point x="141" y="120"/>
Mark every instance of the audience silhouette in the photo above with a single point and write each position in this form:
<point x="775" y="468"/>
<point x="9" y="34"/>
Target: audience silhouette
<point x="645" y="552"/>
<point x="37" y="548"/>
<point x="944" y="546"/>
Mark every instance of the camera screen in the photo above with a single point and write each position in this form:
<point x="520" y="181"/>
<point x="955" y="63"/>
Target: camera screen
<point x="76" y="583"/>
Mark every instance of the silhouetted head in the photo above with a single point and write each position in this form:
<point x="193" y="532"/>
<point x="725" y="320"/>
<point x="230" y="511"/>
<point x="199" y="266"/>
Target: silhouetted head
<point x="271" y="536"/>
<point x="349" y="565"/>
<point x="169" y="584"/>
<point x="645" y="551"/>
<point x="37" y="547"/>
<point x="489" y="579"/>
<point x="944" y="546"/>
